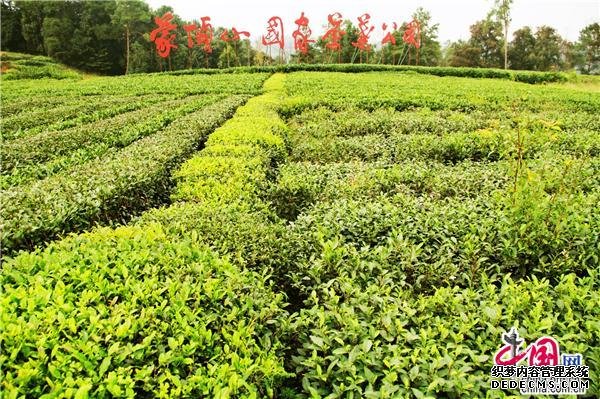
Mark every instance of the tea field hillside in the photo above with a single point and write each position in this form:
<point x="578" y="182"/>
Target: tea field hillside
<point x="340" y="232"/>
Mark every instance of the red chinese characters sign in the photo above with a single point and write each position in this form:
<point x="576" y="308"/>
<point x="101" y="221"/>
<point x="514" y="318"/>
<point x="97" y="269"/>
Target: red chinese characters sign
<point x="162" y="37"/>
<point x="412" y="34"/>
<point x="362" y="43"/>
<point x="236" y="36"/>
<point x="274" y="33"/>
<point x="202" y="35"/>
<point x="302" y="35"/>
<point x="334" y="33"/>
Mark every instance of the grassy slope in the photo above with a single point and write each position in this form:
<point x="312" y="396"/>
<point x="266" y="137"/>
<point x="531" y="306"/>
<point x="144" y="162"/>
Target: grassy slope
<point x="26" y="66"/>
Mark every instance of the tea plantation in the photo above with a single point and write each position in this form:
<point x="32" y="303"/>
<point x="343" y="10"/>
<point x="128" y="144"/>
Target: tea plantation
<point x="293" y="234"/>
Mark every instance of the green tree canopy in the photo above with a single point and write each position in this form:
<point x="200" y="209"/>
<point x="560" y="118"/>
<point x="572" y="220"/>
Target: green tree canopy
<point x="588" y="49"/>
<point x="547" y="49"/>
<point x="522" y="49"/>
<point x="483" y="49"/>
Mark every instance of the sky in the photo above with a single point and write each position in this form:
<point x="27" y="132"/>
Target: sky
<point x="568" y="17"/>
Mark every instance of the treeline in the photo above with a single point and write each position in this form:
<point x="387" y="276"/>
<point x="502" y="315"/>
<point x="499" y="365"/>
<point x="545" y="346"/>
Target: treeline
<point x="542" y="49"/>
<point x="113" y="37"/>
<point x="108" y="37"/>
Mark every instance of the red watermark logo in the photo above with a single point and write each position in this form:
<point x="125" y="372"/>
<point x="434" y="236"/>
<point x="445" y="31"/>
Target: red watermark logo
<point x="538" y="368"/>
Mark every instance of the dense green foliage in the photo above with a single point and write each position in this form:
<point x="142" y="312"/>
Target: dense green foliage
<point x="111" y="187"/>
<point x="380" y="341"/>
<point x="50" y="116"/>
<point x="58" y="181"/>
<point x="491" y="73"/>
<point x="136" y="311"/>
<point x="542" y="50"/>
<point x="119" y="131"/>
<point x="400" y="221"/>
<point x="137" y="85"/>
<point x="109" y="37"/>
<point x="338" y="235"/>
<point x="406" y="91"/>
<point x="589" y="48"/>
<point x="176" y="288"/>
<point x="519" y="76"/>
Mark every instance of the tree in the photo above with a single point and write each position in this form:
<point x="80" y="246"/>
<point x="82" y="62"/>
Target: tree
<point x="59" y="20"/>
<point x="463" y="54"/>
<point x="11" y="38"/>
<point x="502" y="11"/>
<point x="97" y="45"/>
<point x="547" y="49"/>
<point x="588" y="49"/>
<point x="483" y="49"/>
<point x="348" y="51"/>
<point x="486" y="37"/>
<point x="130" y="14"/>
<point x="522" y="49"/>
<point x="32" y="18"/>
<point x="568" y="55"/>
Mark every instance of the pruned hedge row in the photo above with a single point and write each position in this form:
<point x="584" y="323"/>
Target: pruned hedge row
<point x="110" y="188"/>
<point x="412" y="259"/>
<point x="169" y="318"/>
<point x="302" y="184"/>
<point x="118" y="131"/>
<point x="52" y="152"/>
<point x="380" y="342"/>
<point x="238" y="155"/>
<point x="25" y="66"/>
<point x="321" y="135"/>
<point x="532" y="77"/>
<point x="250" y="84"/>
<point x="137" y="312"/>
<point x="481" y="145"/>
<point x="219" y="192"/>
<point x="39" y="103"/>
<point x="338" y="91"/>
<point x="352" y="121"/>
<point x="59" y="116"/>
<point x="426" y="243"/>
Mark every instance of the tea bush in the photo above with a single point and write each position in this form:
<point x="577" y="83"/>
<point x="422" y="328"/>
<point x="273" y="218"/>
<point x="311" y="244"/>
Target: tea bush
<point x="148" y="310"/>
<point x="342" y="235"/>
<point x="323" y="122"/>
<point x="426" y="220"/>
<point x="138" y="85"/>
<point x="378" y="341"/>
<point x="302" y="184"/>
<point x="490" y="73"/>
<point x="218" y="192"/>
<point x="404" y="91"/>
<point x="25" y="66"/>
<point x="59" y="116"/>
<point x="426" y="243"/>
<point x="110" y="188"/>
<point x="45" y="154"/>
<point x="481" y="145"/>
<point x="137" y="312"/>
<point x="119" y="131"/>
<point x="238" y="155"/>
